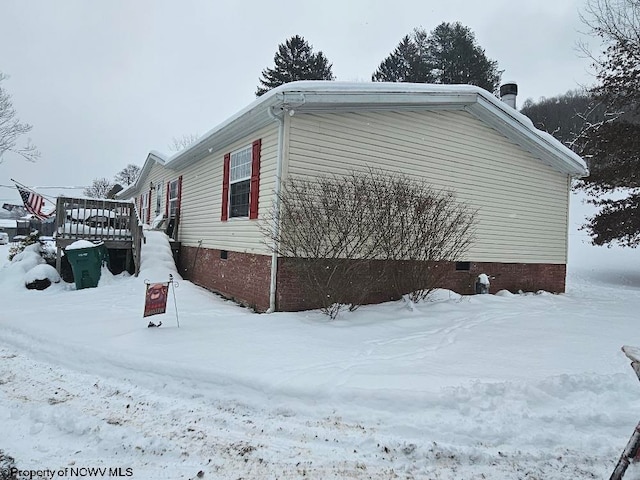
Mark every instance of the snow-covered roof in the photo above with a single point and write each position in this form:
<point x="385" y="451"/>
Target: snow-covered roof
<point x="318" y="96"/>
<point x="7" y="223"/>
<point x="306" y="96"/>
<point x="80" y="244"/>
<point x="153" y="157"/>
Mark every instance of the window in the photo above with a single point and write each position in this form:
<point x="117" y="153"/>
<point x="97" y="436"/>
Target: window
<point x="463" y="266"/>
<point x="174" y="195"/>
<point x="159" y="189"/>
<point x="145" y="207"/>
<point x="239" y="183"/>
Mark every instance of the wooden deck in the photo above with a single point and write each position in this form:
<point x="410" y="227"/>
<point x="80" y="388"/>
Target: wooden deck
<point x="115" y="223"/>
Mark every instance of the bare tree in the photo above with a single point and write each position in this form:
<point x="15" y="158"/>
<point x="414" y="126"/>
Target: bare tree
<point x="99" y="188"/>
<point x="11" y="129"/>
<point x="614" y="21"/>
<point x="349" y="238"/>
<point x="127" y="175"/>
<point x="183" y="142"/>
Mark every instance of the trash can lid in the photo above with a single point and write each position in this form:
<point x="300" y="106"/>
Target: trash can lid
<point x="78" y="244"/>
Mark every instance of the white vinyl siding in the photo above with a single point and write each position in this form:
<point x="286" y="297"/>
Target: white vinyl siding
<point x="202" y="199"/>
<point x="159" y="176"/>
<point x="522" y="203"/>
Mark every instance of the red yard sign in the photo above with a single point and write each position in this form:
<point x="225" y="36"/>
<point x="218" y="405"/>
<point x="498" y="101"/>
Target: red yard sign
<point x="155" y="301"/>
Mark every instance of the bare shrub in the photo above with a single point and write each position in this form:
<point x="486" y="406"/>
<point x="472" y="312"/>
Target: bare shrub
<point x="421" y="229"/>
<point x="349" y="235"/>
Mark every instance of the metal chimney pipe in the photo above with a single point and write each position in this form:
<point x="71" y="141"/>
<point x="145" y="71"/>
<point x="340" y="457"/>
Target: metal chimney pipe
<point x="508" y="93"/>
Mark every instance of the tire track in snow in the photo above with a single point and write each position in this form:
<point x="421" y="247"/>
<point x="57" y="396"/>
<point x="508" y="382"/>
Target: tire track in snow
<point x="83" y="419"/>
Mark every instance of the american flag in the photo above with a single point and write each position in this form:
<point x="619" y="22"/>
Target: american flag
<point x="33" y="202"/>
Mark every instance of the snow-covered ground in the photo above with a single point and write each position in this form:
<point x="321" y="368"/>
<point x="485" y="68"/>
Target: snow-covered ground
<point x="492" y="386"/>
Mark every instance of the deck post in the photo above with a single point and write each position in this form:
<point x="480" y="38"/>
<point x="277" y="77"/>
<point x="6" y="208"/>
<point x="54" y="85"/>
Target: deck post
<point x="127" y="260"/>
<point x="59" y="260"/>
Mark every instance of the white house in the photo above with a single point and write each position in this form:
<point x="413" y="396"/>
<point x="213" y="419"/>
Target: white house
<point x="458" y="137"/>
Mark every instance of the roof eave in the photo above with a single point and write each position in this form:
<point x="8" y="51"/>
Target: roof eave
<point x="540" y="144"/>
<point x="257" y="115"/>
<point x="307" y="97"/>
<point x="152" y="157"/>
<point x="307" y="101"/>
<point x="219" y="139"/>
<point x="245" y="122"/>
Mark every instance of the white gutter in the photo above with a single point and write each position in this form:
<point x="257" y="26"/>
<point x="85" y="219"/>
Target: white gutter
<point x="276" y="211"/>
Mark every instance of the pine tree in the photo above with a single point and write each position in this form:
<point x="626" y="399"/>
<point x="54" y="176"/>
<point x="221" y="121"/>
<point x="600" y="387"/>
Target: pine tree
<point x="456" y="58"/>
<point x="403" y="65"/>
<point x="295" y="60"/>
<point x="613" y="145"/>
<point x="449" y="54"/>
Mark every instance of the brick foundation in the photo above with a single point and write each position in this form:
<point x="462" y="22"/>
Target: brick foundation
<point x="242" y="277"/>
<point x="528" y="277"/>
<point x="245" y="278"/>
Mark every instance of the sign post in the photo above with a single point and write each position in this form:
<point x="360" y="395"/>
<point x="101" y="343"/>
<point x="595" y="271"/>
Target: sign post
<point x="155" y="300"/>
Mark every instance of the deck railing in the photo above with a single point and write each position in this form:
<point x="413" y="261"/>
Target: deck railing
<point x="113" y="222"/>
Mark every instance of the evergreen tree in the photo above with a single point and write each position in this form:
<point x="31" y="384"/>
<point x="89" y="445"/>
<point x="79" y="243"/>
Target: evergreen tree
<point x="294" y="60"/>
<point x="456" y="58"/>
<point x="405" y="64"/>
<point x="449" y="54"/>
<point x="613" y="145"/>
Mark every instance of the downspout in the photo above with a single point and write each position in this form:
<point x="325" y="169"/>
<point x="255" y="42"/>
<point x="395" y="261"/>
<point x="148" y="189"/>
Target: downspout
<point x="276" y="211"/>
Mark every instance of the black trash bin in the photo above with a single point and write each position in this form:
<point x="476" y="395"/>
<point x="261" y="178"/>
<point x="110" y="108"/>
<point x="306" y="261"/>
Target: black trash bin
<point x="86" y="264"/>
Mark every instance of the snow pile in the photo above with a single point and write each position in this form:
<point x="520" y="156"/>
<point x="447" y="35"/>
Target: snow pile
<point x="80" y="244"/>
<point x="42" y="272"/>
<point x="12" y="274"/>
<point x="157" y="259"/>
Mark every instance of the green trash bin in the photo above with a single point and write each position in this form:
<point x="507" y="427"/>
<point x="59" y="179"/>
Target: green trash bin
<point x="86" y="264"/>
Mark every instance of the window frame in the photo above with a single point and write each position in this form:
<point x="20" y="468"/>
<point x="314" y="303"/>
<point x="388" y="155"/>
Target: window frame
<point x="159" y="190"/>
<point x="247" y="151"/>
<point x="144" y="208"/>
<point x="173" y="202"/>
<point x="254" y="182"/>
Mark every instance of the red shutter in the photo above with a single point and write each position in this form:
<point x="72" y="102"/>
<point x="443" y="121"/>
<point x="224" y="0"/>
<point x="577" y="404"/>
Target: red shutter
<point x="166" y="201"/>
<point x="254" y="192"/>
<point x="225" y="188"/>
<point x="149" y="208"/>
<point x="179" y="205"/>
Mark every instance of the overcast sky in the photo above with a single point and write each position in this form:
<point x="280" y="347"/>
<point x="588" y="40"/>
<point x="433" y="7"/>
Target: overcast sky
<point x="105" y="81"/>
